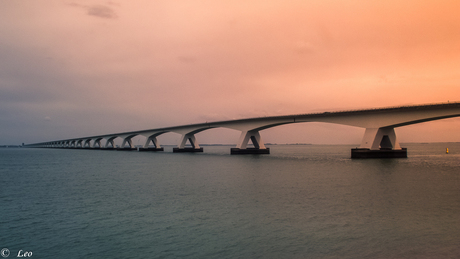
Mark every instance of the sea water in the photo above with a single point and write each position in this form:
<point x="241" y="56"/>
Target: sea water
<point x="301" y="201"/>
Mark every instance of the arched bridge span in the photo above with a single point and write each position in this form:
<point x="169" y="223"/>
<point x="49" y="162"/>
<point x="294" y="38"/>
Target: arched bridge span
<point x="379" y="138"/>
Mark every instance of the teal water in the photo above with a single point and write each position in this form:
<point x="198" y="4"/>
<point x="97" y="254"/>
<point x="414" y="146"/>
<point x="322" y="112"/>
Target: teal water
<point x="308" y="201"/>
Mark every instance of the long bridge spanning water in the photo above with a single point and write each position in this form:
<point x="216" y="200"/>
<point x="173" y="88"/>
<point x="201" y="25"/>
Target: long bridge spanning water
<point x="379" y="137"/>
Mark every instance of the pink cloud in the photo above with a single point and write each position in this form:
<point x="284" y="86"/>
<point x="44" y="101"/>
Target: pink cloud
<point x="163" y="63"/>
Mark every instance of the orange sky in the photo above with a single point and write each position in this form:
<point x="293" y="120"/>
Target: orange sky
<point x="79" y="68"/>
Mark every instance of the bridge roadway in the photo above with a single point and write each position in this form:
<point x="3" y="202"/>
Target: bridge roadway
<point x="379" y="139"/>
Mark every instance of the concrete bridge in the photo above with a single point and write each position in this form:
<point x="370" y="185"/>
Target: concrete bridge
<point x="379" y="138"/>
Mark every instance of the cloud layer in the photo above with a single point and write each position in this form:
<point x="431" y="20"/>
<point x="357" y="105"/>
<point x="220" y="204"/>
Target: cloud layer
<point x="96" y="67"/>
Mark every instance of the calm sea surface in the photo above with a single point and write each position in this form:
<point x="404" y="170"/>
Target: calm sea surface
<point x="308" y="201"/>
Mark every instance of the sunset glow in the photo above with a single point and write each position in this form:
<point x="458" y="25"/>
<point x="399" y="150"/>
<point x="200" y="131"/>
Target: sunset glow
<point x="72" y="69"/>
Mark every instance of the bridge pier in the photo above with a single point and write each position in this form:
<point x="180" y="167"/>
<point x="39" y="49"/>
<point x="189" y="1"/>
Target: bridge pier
<point x="191" y="138"/>
<point x="110" y="144"/>
<point x="126" y="140"/>
<point x="87" y="144"/>
<point x="256" y="139"/>
<point x="381" y="153"/>
<point x="379" y="143"/>
<point x="97" y="143"/>
<point x="156" y="144"/>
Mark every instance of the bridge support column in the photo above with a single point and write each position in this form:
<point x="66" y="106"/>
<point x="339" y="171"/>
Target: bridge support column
<point x="155" y="142"/>
<point x="110" y="144"/>
<point x="191" y="138"/>
<point x="127" y="140"/>
<point x="379" y="143"/>
<point x="97" y="143"/>
<point x="87" y="144"/>
<point x="256" y="139"/>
